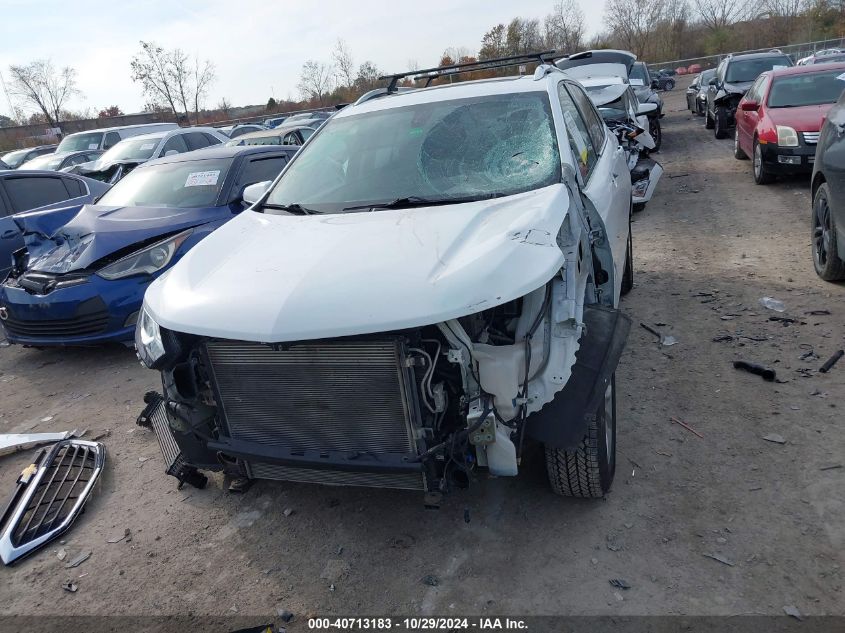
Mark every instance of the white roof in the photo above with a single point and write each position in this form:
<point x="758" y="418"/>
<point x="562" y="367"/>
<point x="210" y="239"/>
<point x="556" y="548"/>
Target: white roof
<point x="445" y="92"/>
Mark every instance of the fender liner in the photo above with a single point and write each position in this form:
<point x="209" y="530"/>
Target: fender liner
<point x="563" y="422"/>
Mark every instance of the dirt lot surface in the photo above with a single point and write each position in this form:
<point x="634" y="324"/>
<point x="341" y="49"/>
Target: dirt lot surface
<point x="727" y="523"/>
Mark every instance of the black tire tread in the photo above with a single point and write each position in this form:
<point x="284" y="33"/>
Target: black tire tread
<point x="835" y="269"/>
<point x="575" y="473"/>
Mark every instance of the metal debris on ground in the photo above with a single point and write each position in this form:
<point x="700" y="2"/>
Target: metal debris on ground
<point x="833" y="467"/>
<point x="69" y="586"/>
<point x="664" y="339"/>
<point x="686" y="426"/>
<point x="785" y="321"/>
<point x="724" y="338"/>
<point x="817" y="312"/>
<point x="793" y="612"/>
<point x="80" y="558"/>
<point x="766" y="373"/>
<point x="719" y="558"/>
<point x="288" y="512"/>
<point x="772" y="304"/>
<point x="774" y="437"/>
<point x="831" y="361"/>
<point x="127" y="535"/>
<point x="620" y="583"/>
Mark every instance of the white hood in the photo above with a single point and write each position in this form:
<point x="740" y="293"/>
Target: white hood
<point x="273" y="278"/>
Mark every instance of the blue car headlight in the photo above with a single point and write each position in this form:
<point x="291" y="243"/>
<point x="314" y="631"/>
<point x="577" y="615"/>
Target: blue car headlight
<point x="148" y="341"/>
<point x="145" y="261"/>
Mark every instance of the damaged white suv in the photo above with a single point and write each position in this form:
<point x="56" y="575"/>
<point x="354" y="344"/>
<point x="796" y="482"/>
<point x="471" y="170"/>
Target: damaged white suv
<point x="433" y="278"/>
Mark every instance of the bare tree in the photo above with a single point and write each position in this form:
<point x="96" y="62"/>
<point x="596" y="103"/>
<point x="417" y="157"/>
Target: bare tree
<point x="315" y="80"/>
<point x="40" y="86"/>
<point x="172" y="77"/>
<point x="632" y="21"/>
<point x="717" y="14"/>
<point x="225" y="107"/>
<point x="367" y="77"/>
<point x="564" y="27"/>
<point x="522" y="36"/>
<point x="344" y="63"/>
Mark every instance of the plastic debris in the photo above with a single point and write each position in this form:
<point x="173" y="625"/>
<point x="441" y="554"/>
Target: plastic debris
<point x="431" y="580"/>
<point x="767" y="373"/>
<point x="11" y="442"/>
<point x="793" y="612"/>
<point x="832" y="467"/>
<point x="127" y="535"/>
<point x="666" y="340"/>
<point x="80" y="558"/>
<point x="620" y="583"/>
<point x="61" y="554"/>
<point x="288" y="512"/>
<point x="774" y="437"/>
<point x="831" y="361"/>
<point x="719" y="558"/>
<point x="69" y="586"/>
<point x="284" y="614"/>
<point x="772" y="304"/>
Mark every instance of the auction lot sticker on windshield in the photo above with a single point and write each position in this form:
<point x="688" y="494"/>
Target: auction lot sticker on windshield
<point x="92" y="146"/>
<point x="841" y="77"/>
<point x="202" y="178"/>
<point x="148" y="145"/>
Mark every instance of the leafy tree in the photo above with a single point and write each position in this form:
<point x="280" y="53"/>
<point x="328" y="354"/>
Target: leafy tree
<point x="110" y="112"/>
<point x="271" y="105"/>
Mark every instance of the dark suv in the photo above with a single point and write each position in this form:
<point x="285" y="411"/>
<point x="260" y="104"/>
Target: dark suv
<point x="734" y="77"/>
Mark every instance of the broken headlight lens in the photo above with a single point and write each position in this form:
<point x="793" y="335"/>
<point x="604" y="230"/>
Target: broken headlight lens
<point x="148" y="340"/>
<point x="787" y="136"/>
<point x="146" y="261"/>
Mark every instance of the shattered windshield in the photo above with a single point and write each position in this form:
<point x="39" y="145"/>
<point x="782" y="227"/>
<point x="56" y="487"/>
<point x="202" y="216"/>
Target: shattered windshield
<point x="183" y="185"/>
<point x="745" y="70"/>
<point x="459" y="149"/>
<point x="79" y="142"/>
<point x="131" y="149"/>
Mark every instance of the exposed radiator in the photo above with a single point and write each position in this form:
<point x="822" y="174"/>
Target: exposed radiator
<point x="354" y="396"/>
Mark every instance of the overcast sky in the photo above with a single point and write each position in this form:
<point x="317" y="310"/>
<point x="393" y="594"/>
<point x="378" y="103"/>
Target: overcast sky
<point x="257" y="46"/>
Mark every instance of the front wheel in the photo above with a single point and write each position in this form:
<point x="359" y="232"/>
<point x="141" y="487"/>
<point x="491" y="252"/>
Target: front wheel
<point x="669" y="85"/>
<point x="720" y="125"/>
<point x="587" y="471"/>
<point x="826" y="259"/>
<point x="761" y="176"/>
<point x="656" y="133"/>
<point x="708" y="120"/>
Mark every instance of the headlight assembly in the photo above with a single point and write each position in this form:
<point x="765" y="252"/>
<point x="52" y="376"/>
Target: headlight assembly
<point x="148" y="340"/>
<point x="787" y="136"/>
<point x="146" y="261"/>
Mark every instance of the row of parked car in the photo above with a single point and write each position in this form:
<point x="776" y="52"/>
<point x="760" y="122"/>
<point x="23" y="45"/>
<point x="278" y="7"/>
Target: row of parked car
<point x="789" y="120"/>
<point x="389" y="305"/>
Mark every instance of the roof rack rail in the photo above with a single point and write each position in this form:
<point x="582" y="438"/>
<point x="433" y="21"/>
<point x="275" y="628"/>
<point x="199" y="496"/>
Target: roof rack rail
<point x="430" y="74"/>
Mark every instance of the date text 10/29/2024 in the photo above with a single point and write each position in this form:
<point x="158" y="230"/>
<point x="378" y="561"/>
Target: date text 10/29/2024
<point x="417" y="624"/>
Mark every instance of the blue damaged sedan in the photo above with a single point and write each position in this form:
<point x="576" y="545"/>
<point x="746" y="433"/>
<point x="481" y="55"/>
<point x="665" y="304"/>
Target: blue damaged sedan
<point x="81" y="280"/>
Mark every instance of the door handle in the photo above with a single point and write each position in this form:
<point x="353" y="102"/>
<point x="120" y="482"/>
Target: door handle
<point x="8" y="234"/>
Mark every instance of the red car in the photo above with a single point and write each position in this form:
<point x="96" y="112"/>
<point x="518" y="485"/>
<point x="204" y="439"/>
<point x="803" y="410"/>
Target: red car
<point x="779" y="118"/>
<point x="695" y="68"/>
<point x="681" y="70"/>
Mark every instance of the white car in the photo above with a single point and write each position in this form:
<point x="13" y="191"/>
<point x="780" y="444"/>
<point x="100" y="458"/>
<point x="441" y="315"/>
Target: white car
<point x="129" y="153"/>
<point x="433" y="278"/>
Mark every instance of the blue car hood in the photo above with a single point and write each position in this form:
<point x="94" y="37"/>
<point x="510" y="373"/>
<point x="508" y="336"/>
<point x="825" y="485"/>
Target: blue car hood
<point x="99" y="231"/>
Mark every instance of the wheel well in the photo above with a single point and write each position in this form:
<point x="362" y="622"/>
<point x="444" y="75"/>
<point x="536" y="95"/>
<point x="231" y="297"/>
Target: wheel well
<point x="818" y="181"/>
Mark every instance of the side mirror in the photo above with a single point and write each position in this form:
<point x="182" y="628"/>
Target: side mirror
<point x="749" y="106"/>
<point x="253" y="193"/>
<point x="646" y="108"/>
<point x="655" y="84"/>
<point x="170" y="152"/>
<point x="713" y="81"/>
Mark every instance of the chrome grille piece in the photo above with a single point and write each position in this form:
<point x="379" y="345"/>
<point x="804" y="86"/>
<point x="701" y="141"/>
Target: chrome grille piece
<point x="334" y="396"/>
<point x="401" y="481"/>
<point x="811" y="138"/>
<point x="53" y="498"/>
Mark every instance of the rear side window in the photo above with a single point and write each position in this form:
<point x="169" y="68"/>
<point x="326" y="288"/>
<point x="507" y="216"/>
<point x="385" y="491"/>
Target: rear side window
<point x="196" y="140"/>
<point x="176" y="143"/>
<point x="260" y="170"/>
<point x="75" y="187"/>
<point x="212" y="140"/>
<point x="29" y="193"/>
<point x="112" y="139"/>
<point x="580" y="141"/>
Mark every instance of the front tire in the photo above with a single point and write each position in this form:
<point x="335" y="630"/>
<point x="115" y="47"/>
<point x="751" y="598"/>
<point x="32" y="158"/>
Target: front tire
<point x="587" y="471"/>
<point x="738" y="153"/>
<point x="720" y="125"/>
<point x="826" y="259"/>
<point x="669" y="85"/>
<point x="656" y="133"/>
<point x="708" y="120"/>
<point x="761" y="176"/>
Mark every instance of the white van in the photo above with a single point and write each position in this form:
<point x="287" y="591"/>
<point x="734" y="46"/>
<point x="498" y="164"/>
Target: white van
<point x="107" y="137"/>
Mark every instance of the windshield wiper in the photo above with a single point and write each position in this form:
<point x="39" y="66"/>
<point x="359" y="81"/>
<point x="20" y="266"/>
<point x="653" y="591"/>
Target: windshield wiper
<point x="409" y="202"/>
<point x="291" y="208"/>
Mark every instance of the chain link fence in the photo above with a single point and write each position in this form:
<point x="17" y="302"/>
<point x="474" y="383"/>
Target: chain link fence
<point x="795" y="52"/>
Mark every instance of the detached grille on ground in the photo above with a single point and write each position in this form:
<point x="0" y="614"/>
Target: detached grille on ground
<point x="352" y="397"/>
<point x="53" y="498"/>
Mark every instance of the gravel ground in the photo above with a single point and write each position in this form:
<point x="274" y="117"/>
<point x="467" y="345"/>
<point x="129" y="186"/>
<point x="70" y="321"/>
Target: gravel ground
<point x="723" y="524"/>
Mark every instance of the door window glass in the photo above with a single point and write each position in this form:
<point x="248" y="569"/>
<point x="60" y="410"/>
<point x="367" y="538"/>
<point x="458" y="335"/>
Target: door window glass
<point x="580" y="141"/>
<point x="31" y="192"/>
